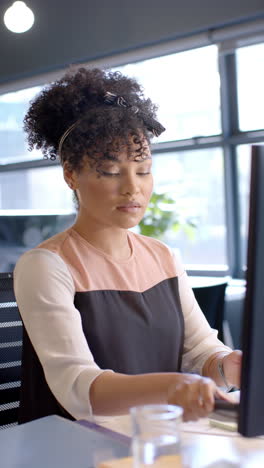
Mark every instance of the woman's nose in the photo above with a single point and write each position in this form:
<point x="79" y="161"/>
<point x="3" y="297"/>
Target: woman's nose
<point x="130" y="185"/>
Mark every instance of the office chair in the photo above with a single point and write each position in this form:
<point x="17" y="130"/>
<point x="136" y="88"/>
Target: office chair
<point x="211" y="300"/>
<point x="10" y="352"/>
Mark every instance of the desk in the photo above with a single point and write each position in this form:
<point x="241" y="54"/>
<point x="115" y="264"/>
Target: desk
<point x="54" y="442"/>
<point x="202" y="448"/>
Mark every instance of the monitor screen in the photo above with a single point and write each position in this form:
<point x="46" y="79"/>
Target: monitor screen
<point x="251" y="408"/>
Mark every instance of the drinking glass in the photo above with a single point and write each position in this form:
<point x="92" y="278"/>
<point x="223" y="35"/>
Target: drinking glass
<point x="156" y="435"/>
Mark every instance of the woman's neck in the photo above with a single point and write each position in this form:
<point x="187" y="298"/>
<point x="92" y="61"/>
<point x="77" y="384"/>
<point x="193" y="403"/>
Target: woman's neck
<point x="112" y="241"/>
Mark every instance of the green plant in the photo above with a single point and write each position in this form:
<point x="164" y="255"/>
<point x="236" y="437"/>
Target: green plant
<point x="161" y="216"/>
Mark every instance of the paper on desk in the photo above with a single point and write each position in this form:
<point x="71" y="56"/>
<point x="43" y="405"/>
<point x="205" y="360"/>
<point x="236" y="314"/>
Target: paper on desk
<point x="203" y="427"/>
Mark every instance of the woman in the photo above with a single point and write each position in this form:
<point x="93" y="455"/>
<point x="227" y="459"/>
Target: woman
<point x="110" y="320"/>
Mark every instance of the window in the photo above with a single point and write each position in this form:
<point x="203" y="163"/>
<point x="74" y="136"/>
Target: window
<point x="35" y="189"/>
<point x="250" y="70"/>
<point x="190" y="107"/>
<point x="194" y="179"/>
<point x="186" y="87"/>
<point x="13" y="106"/>
<point x="203" y="168"/>
<point x="243" y="159"/>
<point x="34" y="204"/>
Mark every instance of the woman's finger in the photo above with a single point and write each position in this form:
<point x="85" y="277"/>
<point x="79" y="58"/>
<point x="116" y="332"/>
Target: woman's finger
<point x="200" y="398"/>
<point x="207" y="390"/>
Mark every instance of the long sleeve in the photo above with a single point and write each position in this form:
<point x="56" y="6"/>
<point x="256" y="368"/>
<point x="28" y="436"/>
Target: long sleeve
<point x="200" y="340"/>
<point x="44" y="291"/>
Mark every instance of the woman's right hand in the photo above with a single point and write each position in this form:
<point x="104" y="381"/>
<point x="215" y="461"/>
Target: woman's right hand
<point x="195" y="394"/>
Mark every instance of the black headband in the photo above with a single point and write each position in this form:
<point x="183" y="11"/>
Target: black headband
<point x="151" y="124"/>
<point x="109" y="98"/>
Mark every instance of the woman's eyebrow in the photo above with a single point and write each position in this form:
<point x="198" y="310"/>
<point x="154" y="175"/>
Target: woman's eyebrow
<point x="109" y="157"/>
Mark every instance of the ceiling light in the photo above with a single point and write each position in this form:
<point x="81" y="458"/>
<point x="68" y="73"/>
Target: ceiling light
<point x="18" y="18"/>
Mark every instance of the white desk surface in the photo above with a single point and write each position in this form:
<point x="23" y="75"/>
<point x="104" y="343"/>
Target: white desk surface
<point x="204" y="446"/>
<point x="54" y="442"/>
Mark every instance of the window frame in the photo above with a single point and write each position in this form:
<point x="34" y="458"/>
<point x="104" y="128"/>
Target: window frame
<point x="230" y="138"/>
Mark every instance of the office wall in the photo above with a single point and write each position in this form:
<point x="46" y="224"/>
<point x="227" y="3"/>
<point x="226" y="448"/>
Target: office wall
<point x="70" y="31"/>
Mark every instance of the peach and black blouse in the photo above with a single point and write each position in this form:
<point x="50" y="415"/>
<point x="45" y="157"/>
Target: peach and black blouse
<point x="84" y="313"/>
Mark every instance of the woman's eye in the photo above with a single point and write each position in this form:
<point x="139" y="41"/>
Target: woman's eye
<point x="110" y="174"/>
<point x="114" y="174"/>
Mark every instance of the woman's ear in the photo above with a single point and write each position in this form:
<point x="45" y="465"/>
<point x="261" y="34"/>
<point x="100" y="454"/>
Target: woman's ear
<point x="70" y="176"/>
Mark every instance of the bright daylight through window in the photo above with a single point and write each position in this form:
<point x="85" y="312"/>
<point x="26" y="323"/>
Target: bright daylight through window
<point x="186" y="87"/>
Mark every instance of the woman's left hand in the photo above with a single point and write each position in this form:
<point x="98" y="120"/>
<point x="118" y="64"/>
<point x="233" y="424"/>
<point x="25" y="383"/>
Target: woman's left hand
<point x="232" y="367"/>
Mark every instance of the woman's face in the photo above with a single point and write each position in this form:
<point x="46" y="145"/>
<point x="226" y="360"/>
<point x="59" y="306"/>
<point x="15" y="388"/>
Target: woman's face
<point x="117" y="194"/>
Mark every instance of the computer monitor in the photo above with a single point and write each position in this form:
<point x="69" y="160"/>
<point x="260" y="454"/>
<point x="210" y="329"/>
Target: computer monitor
<point x="251" y="408"/>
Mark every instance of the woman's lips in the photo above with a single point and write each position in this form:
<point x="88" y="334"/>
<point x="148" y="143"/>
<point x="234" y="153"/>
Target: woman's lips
<point x="131" y="207"/>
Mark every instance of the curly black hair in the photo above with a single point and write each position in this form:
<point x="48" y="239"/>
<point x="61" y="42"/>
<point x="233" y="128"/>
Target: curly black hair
<point x="79" y="97"/>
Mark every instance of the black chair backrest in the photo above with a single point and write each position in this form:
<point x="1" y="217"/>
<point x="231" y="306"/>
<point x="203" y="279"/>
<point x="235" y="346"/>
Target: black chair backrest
<point x="10" y="352"/>
<point x="211" y="299"/>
